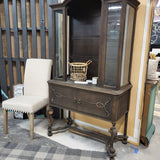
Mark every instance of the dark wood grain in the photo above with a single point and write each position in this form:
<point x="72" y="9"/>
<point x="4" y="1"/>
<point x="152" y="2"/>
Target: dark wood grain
<point x="16" y="41"/>
<point x="90" y="100"/>
<point x="3" y="82"/>
<point x="121" y="41"/>
<point x="102" y="49"/>
<point x="42" y="29"/>
<point x="85" y="36"/>
<point x="90" y="27"/>
<point x="50" y="38"/>
<point x="1" y="44"/>
<point x="3" y="77"/>
<point x="24" y="28"/>
<point x="65" y="44"/>
<point x="9" y="50"/>
<point x="34" y="31"/>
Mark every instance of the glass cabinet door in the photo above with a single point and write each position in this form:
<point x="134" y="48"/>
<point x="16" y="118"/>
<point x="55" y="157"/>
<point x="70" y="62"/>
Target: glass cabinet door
<point x="58" y="44"/>
<point x="128" y="37"/>
<point x="112" y="46"/>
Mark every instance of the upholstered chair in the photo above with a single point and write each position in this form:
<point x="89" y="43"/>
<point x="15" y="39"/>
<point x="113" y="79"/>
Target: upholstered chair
<point x="36" y="94"/>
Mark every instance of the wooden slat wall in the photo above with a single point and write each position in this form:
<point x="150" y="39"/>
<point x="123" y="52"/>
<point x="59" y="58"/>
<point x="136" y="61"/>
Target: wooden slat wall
<point x="9" y="48"/>
<point x="25" y="32"/>
<point x="16" y="40"/>
<point x="42" y="29"/>
<point x="2" y="64"/>
<point x="34" y="32"/>
<point x="24" y="29"/>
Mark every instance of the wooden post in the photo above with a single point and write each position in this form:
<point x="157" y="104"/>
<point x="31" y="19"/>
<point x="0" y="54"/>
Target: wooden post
<point x="34" y="32"/>
<point x="24" y="29"/>
<point x="3" y="82"/>
<point x="16" y="41"/>
<point x="31" y="119"/>
<point x="42" y="29"/>
<point x="9" y="48"/>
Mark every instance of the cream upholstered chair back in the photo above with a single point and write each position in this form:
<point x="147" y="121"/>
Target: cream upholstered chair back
<point x="36" y="77"/>
<point x="36" y="94"/>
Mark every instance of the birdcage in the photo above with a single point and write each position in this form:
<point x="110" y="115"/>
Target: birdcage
<point x="78" y="70"/>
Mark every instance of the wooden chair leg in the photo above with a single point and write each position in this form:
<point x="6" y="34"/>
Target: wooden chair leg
<point x="31" y="119"/>
<point x="5" y="115"/>
<point x="47" y="108"/>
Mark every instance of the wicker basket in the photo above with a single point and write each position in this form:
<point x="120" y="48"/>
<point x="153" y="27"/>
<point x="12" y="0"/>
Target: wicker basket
<point x="78" y="70"/>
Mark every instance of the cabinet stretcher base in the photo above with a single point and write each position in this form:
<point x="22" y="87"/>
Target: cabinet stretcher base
<point x="107" y="140"/>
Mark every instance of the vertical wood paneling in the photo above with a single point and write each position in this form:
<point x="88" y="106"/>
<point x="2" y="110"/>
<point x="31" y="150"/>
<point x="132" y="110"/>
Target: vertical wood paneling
<point x="12" y="44"/>
<point x="37" y="14"/>
<point x="1" y="44"/>
<point x="20" y="44"/>
<point x="42" y="29"/>
<point x="28" y="13"/>
<point x="10" y="13"/>
<point x="8" y="35"/>
<point x="16" y="40"/>
<point x="38" y="29"/>
<point x="3" y="82"/>
<point x="2" y="14"/>
<point x="34" y="32"/>
<point x="29" y="34"/>
<point x="38" y="45"/>
<point x="46" y="13"/>
<point x="47" y="49"/>
<point x="4" y="42"/>
<point x="3" y="76"/>
<point x="24" y="29"/>
<point x="9" y="51"/>
<point x="19" y="16"/>
<point x="50" y="29"/>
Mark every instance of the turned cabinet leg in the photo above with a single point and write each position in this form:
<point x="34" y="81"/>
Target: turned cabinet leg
<point x="31" y="119"/>
<point x="110" y="148"/>
<point x="50" y="120"/>
<point x="5" y="115"/>
<point x="125" y="137"/>
<point x="69" y="119"/>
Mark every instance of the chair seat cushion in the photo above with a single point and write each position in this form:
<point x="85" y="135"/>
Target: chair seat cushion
<point x="26" y="104"/>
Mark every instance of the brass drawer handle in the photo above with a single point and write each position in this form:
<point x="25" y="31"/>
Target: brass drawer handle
<point x="74" y="100"/>
<point x="79" y="101"/>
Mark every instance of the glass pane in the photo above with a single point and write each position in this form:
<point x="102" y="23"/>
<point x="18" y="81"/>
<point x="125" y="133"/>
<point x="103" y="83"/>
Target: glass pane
<point x="127" y="45"/>
<point x="59" y="42"/>
<point x="113" y="29"/>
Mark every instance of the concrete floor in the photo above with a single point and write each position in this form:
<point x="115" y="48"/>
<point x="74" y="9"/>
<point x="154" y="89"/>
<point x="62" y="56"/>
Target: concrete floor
<point x="124" y="152"/>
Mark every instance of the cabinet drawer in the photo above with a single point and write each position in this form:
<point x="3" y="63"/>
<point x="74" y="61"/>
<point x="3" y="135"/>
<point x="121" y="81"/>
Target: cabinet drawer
<point x="83" y="101"/>
<point x="63" y="97"/>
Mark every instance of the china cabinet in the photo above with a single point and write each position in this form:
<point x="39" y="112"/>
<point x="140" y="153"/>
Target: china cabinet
<point x="101" y="31"/>
<point x="147" y="126"/>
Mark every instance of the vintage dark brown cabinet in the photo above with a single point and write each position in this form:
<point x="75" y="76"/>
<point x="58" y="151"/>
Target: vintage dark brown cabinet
<point x="101" y="31"/>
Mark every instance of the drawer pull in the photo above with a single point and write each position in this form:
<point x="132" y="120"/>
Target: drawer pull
<point x="74" y="100"/>
<point x="79" y="101"/>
